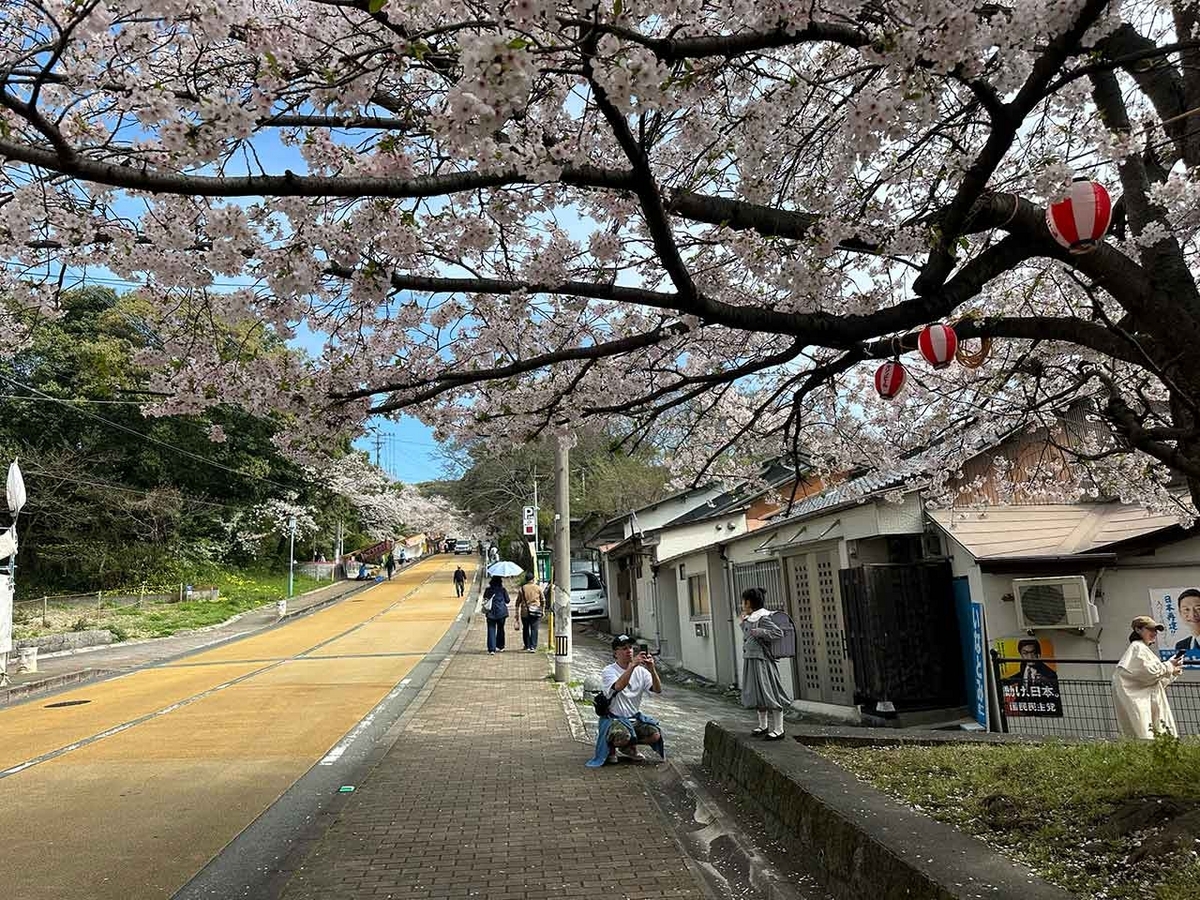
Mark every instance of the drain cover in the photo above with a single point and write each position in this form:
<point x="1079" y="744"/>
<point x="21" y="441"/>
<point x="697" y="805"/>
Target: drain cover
<point x="63" y="703"/>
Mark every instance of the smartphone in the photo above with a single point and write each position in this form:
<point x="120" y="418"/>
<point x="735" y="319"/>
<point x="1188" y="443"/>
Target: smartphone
<point x="1180" y="655"/>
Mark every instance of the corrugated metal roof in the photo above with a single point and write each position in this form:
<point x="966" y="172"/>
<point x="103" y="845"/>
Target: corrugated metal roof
<point x="992" y="532"/>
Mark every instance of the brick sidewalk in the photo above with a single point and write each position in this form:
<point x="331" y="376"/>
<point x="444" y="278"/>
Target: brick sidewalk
<point x="484" y="794"/>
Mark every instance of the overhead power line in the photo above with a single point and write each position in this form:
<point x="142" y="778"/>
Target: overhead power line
<point x="145" y="437"/>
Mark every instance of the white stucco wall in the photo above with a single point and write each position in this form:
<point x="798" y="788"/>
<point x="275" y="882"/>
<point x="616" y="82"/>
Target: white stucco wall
<point x="679" y="539"/>
<point x="1120" y="593"/>
<point x="697" y="654"/>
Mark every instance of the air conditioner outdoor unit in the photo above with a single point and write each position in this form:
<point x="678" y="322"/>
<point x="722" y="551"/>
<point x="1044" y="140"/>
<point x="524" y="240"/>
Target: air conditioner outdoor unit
<point x="701" y="629"/>
<point x="1061" y="602"/>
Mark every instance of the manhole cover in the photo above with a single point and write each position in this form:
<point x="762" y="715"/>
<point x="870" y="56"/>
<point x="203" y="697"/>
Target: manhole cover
<point x="63" y="703"/>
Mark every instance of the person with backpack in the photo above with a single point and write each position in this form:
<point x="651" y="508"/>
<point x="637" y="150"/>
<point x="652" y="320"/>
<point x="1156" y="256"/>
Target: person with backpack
<point x="762" y="688"/>
<point x="530" y="607"/>
<point x="495" y="609"/>
<point x="460" y="581"/>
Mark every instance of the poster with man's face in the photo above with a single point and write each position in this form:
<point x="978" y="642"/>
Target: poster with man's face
<point x="1178" y="609"/>
<point x="1029" y="685"/>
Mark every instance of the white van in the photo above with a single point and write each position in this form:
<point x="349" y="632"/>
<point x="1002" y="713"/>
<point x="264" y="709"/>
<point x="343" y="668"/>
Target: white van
<point x="588" y="600"/>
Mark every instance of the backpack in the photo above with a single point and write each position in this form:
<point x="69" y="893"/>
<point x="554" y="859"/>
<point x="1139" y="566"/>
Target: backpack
<point x="784" y="646"/>
<point x="601" y="703"/>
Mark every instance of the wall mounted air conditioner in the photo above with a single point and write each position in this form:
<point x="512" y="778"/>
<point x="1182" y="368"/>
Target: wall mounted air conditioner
<point x="1061" y="602"/>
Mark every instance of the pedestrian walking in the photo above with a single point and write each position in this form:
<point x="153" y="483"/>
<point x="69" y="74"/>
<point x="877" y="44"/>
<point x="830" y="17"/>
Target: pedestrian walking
<point x="495" y="608"/>
<point x="530" y="608"/>
<point x="762" y="688"/>
<point x="1140" y="684"/>
<point x="389" y="563"/>
<point x="460" y="582"/>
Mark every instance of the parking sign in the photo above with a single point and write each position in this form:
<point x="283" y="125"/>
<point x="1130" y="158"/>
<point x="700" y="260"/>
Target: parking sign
<point x="529" y="521"/>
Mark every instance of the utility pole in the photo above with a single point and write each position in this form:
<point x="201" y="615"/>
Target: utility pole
<point x="562" y="560"/>
<point x="378" y="447"/>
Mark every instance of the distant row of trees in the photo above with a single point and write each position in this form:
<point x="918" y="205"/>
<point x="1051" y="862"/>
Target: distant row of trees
<point x="117" y="498"/>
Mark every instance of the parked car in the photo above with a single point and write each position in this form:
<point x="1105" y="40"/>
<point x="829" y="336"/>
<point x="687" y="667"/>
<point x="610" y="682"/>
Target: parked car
<point x="588" y="599"/>
<point x="462" y="547"/>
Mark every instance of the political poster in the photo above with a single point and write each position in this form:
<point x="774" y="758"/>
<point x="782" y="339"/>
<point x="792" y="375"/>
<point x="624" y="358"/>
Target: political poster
<point x="1029" y="685"/>
<point x="1178" y="610"/>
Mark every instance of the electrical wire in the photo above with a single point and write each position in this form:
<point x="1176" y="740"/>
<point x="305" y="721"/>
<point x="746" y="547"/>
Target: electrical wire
<point x="145" y="437"/>
<point x="128" y="490"/>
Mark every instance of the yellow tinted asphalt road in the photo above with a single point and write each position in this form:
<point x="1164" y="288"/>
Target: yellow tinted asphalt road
<point x="135" y="814"/>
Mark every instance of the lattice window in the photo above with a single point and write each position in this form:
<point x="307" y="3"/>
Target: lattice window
<point x="831" y="615"/>
<point x="806" y="635"/>
<point x="765" y="575"/>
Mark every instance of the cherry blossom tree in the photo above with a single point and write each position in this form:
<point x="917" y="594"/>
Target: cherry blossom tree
<point x="703" y="219"/>
<point x="387" y="508"/>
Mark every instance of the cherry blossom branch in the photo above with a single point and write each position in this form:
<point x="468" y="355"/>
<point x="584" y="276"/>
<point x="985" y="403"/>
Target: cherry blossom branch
<point x="451" y="379"/>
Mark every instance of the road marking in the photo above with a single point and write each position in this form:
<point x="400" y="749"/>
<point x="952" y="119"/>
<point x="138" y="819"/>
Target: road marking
<point x="336" y="753"/>
<point x="187" y="701"/>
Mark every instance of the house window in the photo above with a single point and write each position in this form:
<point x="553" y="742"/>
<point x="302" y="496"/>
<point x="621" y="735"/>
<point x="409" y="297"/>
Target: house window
<point x="698" y="596"/>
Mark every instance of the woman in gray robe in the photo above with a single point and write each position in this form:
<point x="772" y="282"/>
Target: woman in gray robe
<point x="762" y="688"/>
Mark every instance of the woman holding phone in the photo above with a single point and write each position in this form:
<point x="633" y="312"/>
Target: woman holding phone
<point x="1140" y="684"/>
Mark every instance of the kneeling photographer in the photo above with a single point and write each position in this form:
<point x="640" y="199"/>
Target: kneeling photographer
<point x="622" y="724"/>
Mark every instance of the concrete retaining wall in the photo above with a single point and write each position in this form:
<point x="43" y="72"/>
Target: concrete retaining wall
<point x="857" y="841"/>
<point x="69" y="640"/>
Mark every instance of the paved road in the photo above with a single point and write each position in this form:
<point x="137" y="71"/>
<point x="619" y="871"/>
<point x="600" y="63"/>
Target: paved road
<point x="131" y="788"/>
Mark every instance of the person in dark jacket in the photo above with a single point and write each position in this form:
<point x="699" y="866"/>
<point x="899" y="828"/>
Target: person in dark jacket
<point x="390" y="565"/>
<point x="495" y="608"/>
<point x="460" y="581"/>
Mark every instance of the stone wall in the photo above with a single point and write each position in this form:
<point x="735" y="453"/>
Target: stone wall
<point x="70" y="640"/>
<point x="857" y="841"/>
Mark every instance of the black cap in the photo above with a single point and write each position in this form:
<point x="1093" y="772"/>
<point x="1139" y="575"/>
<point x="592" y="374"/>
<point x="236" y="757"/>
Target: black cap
<point x="622" y="640"/>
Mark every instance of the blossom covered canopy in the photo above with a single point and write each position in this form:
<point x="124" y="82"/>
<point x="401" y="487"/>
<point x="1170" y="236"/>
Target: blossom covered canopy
<point x="703" y="219"/>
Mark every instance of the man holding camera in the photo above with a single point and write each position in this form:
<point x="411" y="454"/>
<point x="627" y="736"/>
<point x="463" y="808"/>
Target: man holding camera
<point x="625" y="684"/>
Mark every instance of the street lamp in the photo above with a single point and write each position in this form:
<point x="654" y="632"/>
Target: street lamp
<point x="15" y="488"/>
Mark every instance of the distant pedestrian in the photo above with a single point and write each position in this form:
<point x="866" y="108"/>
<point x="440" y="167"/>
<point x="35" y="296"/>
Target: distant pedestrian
<point x="460" y="582"/>
<point x="1140" y="684"/>
<point x="762" y="688"/>
<point x="390" y="564"/>
<point x="530" y="607"/>
<point x="495" y="608"/>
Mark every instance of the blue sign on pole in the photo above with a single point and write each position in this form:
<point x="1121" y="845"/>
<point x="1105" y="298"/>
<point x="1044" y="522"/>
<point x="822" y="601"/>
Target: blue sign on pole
<point x="978" y="661"/>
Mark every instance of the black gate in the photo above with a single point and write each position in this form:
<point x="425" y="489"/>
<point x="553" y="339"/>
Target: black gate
<point x="902" y="635"/>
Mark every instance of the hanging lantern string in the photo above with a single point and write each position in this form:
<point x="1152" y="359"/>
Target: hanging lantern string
<point x="972" y="359"/>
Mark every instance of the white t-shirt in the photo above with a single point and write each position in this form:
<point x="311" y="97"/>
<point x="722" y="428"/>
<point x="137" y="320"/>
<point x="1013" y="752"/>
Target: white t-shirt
<point x="627" y="702"/>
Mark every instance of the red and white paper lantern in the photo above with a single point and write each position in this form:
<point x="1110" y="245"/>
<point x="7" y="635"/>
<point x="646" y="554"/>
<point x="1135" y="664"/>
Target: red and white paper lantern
<point x="889" y="379"/>
<point x="1079" y="221"/>
<point x="937" y="344"/>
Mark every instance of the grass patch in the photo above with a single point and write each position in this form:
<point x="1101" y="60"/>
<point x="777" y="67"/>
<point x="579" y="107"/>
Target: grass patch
<point x="239" y="592"/>
<point x="1112" y="820"/>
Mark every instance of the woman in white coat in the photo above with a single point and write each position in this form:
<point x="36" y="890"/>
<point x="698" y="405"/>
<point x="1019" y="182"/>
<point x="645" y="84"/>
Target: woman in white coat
<point x="1140" y="684"/>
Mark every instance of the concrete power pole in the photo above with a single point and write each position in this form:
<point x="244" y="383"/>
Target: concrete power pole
<point x="562" y="560"/>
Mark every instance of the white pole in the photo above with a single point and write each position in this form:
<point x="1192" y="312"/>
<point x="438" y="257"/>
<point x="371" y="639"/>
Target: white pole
<point x="562" y="560"/>
<point x="291" y="553"/>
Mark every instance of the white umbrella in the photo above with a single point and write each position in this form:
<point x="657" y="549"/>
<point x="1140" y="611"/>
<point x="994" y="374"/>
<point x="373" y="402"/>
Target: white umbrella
<point x="15" y="488"/>
<point x="505" y="569"/>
